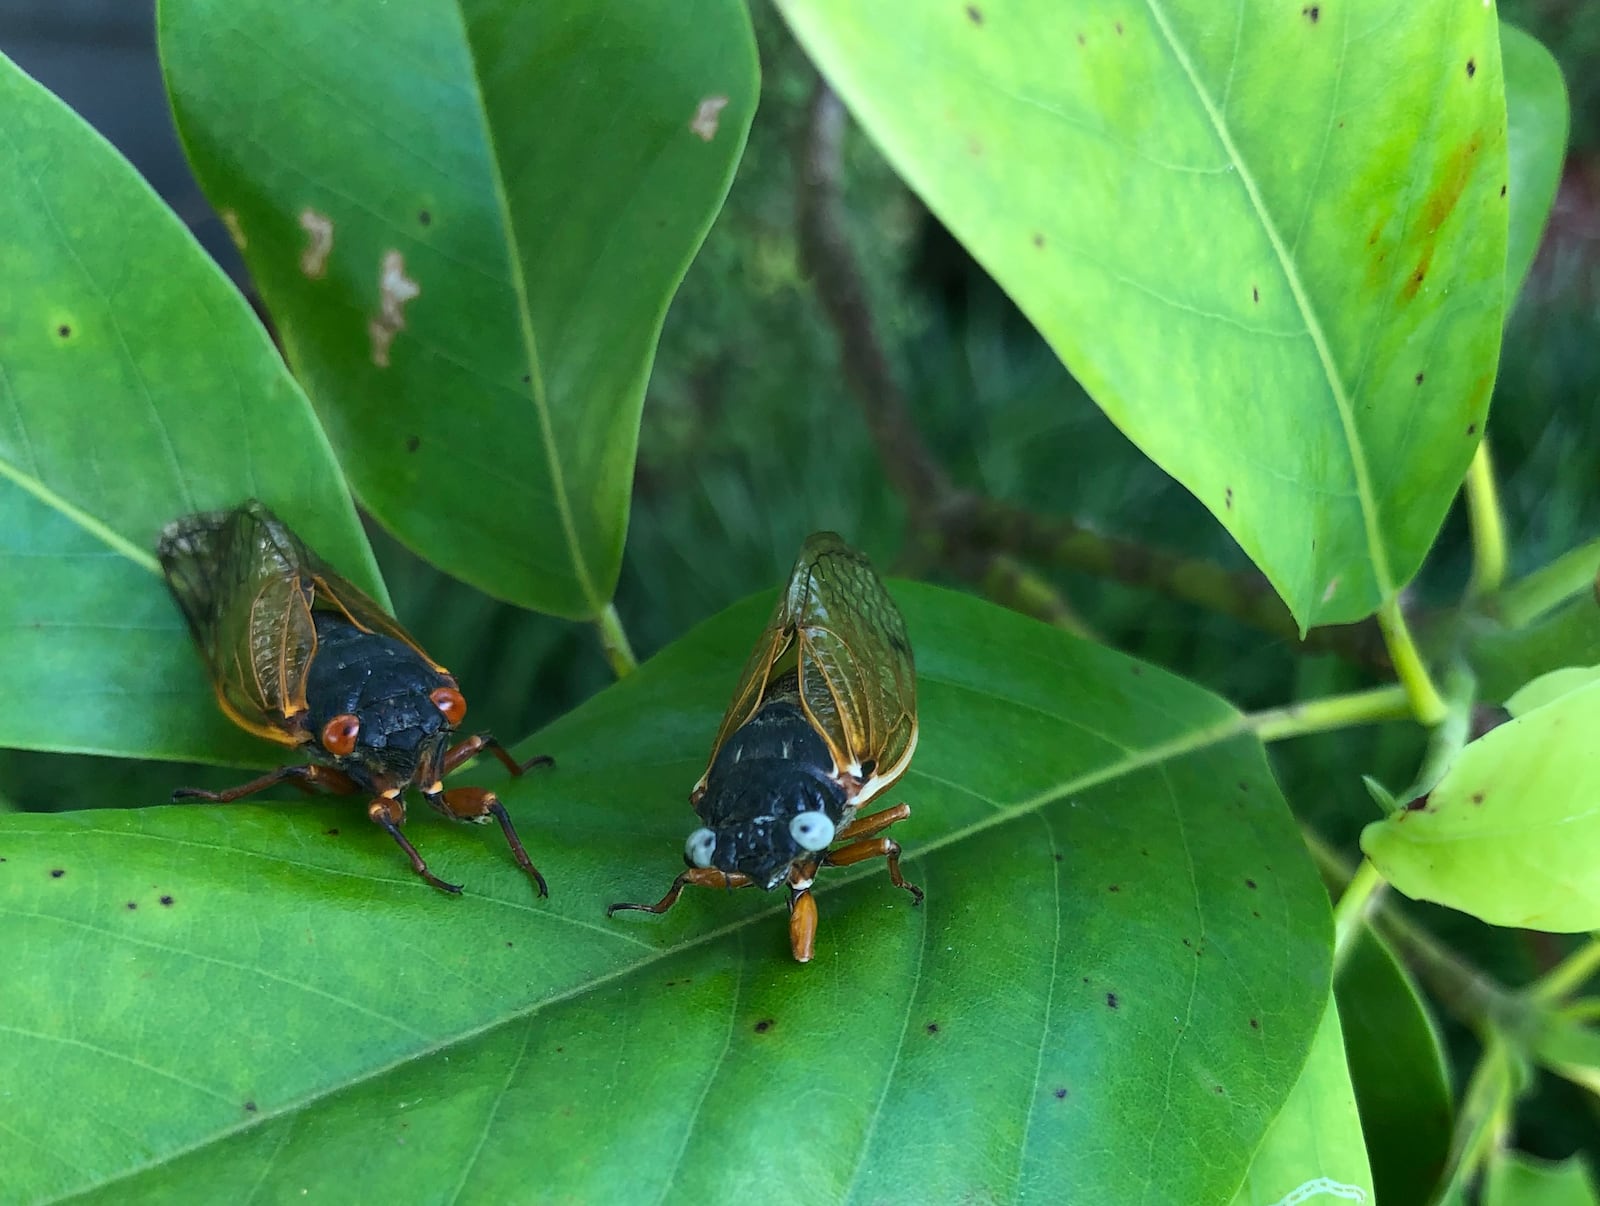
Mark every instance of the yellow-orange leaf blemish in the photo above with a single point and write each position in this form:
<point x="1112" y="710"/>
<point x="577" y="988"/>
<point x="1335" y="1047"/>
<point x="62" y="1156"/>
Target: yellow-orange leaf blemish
<point x="319" y="232"/>
<point x="230" y="219"/>
<point x="395" y="289"/>
<point x="707" y="116"/>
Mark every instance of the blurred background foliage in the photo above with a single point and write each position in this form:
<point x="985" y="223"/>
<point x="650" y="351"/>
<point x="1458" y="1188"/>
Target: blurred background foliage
<point x="751" y="440"/>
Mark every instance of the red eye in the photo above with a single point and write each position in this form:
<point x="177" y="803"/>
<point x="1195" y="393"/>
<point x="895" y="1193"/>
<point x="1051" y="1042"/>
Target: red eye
<point x="339" y="734"/>
<point x="448" y="700"/>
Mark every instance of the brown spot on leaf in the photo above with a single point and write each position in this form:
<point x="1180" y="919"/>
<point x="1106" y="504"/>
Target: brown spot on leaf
<point x="1081" y="40"/>
<point x="1255" y="295"/>
<point x="319" y="242"/>
<point x="57" y="873"/>
<point x="1502" y="190"/>
<point x="1312" y="13"/>
<point x="1119" y="29"/>
<point x="230" y="220"/>
<point x="707" y="117"/>
<point x="395" y="291"/>
<point x="1250" y="883"/>
<point x="1419" y="378"/>
<point x="250" y="1107"/>
<point x="332" y="832"/>
<point x="1111" y="1000"/>
<point x="424" y="217"/>
<point x="1061" y="1094"/>
<point x="132" y="904"/>
<point x="1472" y="429"/>
<point x="1038" y="240"/>
<point x="167" y="901"/>
<point x="413" y="443"/>
<point x="1114" y="888"/>
<point x="764" y="1025"/>
<point x="932" y="1028"/>
<point x="1228" y="498"/>
<point x="64" y="330"/>
<point x="974" y="14"/>
<point x="1472" y="68"/>
<point x="1477" y="797"/>
<point x="1255" y="1023"/>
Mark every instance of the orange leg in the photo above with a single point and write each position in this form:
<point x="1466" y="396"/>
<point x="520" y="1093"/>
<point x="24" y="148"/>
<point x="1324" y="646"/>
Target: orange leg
<point x="859" y="852"/>
<point x="863" y="827"/>
<point x="303" y="777"/>
<point x="473" y="746"/>
<point x="700" y="877"/>
<point x="802" y="924"/>
<point x="389" y="815"/>
<point x="479" y="804"/>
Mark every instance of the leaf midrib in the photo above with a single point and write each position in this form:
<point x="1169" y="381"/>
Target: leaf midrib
<point x="1376" y="549"/>
<point x="541" y="401"/>
<point x="1232" y="725"/>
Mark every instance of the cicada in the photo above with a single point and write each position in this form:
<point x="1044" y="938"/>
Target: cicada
<point x="298" y="655"/>
<point x="823" y="721"/>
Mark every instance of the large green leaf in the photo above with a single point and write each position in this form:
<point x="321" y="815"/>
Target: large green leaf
<point x="467" y="218"/>
<point x="1537" y="118"/>
<point x="1268" y="238"/>
<point x="1518" y="1180"/>
<point x="1107" y="996"/>
<point x="1313" y="1151"/>
<point x="1397" y="1064"/>
<point x="135" y="384"/>
<point x="1511" y="834"/>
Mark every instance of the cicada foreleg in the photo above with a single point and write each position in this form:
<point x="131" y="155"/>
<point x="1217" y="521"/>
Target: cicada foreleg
<point x="860" y="846"/>
<point x="700" y="877"/>
<point x="473" y="746"/>
<point x="479" y="804"/>
<point x="389" y="814"/>
<point x="303" y="777"/>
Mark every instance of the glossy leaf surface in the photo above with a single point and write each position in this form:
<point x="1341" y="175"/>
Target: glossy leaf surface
<point x="1537" y="119"/>
<point x="467" y="219"/>
<point x="1106" y="860"/>
<point x="1313" y="1150"/>
<point x="135" y="385"/>
<point x="1511" y="833"/>
<point x="1397" y="1064"/>
<point x="1269" y="239"/>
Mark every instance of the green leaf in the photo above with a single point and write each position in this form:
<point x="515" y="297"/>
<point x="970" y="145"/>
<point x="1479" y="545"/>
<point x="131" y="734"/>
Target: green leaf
<point x="1268" y="239"/>
<point x="135" y="385"/>
<point x="1518" y="1180"/>
<point x="1506" y="658"/>
<point x="532" y="180"/>
<point x="1313" y="1150"/>
<point x="1570" y="1048"/>
<point x="1511" y="834"/>
<point x="1108" y="866"/>
<point x="1397" y="1064"/>
<point x="1537" y="119"/>
<point x="1550" y="687"/>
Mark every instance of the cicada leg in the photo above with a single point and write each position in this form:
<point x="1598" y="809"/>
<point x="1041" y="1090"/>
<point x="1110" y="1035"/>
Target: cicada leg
<point x="389" y="814"/>
<point x="802" y="924"/>
<point x="304" y="777"/>
<point x="860" y="846"/>
<point x="700" y="877"/>
<point x="479" y="804"/>
<point x="473" y="746"/>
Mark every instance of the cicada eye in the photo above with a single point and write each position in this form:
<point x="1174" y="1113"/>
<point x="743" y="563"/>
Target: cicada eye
<point x="339" y="734"/>
<point x="699" y="848"/>
<point x="813" y="830"/>
<point x="448" y="700"/>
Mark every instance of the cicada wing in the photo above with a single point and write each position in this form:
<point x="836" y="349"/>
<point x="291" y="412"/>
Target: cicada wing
<point x="236" y="578"/>
<point x="332" y="591"/>
<point x="857" y="676"/>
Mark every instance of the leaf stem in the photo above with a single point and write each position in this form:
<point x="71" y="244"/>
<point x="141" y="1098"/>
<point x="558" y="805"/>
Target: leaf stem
<point x="1525" y="600"/>
<point x="1569" y="975"/>
<point x="1426" y="705"/>
<point x="614" y="642"/>
<point x="1488" y="526"/>
<point x="1009" y="582"/>
<point x="1360" y="895"/>
<point x="1450" y="735"/>
<point x="1332" y="712"/>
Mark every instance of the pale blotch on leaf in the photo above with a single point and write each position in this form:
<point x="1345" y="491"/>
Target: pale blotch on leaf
<point x="230" y="219"/>
<point x="395" y="289"/>
<point x="1333" y="588"/>
<point x="707" y="116"/>
<point x="319" y="230"/>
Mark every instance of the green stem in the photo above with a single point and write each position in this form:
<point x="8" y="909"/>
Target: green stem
<point x="1488" y="526"/>
<point x="1426" y="705"/>
<point x="1450" y="735"/>
<point x="1359" y="896"/>
<point x="1010" y="583"/>
<point x="1332" y="712"/>
<point x="1569" y="975"/>
<point x="614" y="642"/>
<point x="1572" y="573"/>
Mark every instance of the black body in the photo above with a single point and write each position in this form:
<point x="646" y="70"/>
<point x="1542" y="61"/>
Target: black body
<point x="386" y="684"/>
<point x="770" y="770"/>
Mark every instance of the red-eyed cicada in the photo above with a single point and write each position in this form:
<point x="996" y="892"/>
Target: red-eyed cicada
<point x="824" y="720"/>
<point x="301" y="657"/>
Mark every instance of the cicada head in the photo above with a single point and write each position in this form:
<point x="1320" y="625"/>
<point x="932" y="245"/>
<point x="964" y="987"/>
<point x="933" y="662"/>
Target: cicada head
<point x="378" y="710"/>
<point x="771" y="799"/>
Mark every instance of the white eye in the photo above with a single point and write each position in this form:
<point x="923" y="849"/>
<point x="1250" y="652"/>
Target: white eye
<point x="812" y="830"/>
<point x="699" y="847"/>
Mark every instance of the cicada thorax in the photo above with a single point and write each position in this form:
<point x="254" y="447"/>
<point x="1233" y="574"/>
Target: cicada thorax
<point x="392" y="693"/>
<point x="772" y="796"/>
